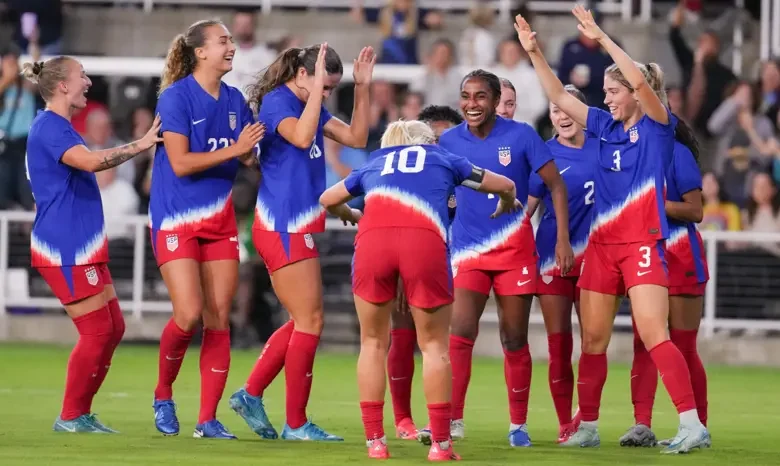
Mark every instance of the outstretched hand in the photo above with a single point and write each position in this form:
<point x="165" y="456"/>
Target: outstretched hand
<point x="525" y="35"/>
<point x="363" y="66"/>
<point x="587" y="25"/>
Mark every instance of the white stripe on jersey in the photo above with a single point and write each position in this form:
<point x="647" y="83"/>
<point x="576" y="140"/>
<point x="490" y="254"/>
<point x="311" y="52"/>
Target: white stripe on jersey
<point x="304" y="219"/>
<point x="676" y="237"/>
<point x="495" y="241"/>
<point x="411" y="201"/>
<point x="86" y="254"/>
<point x="264" y="216"/>
<point x="194" y="216"/>
<point x="549" y="265"/>
<point x="52" y="255"/>
<point x="605" y="218"/>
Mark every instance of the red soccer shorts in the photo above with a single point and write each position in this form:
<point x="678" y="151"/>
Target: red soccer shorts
<point x="169" y="245"/>
<point x="615" y="268"/>
<point x="278" y="249"/>
<point x="76" y="282"/>
<point x="558" y="286"/>
<point x="515" y="282"/>
<point x="695" y="289"/>
<point x="417" y="255"/>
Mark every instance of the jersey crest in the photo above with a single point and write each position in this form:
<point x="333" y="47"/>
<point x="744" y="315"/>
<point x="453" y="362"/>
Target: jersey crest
<point x="232" y="120"/>
<point x="504" y="155"/>
<point x="92" y="276"/>
<point x="633" y="135"/>
<point x="172" y="242"/>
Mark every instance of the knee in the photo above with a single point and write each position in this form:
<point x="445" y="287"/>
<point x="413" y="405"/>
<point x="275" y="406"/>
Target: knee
<point x="374" y="344"/>
<point x="653" y="335"/>
<point x="513" y="339"/>
<point x="465" y="329"/>
<point x="594" y="342"/>
<point x="309" y="322"/>
<point x="119" y="327"/>
<point x="187" y="320"/>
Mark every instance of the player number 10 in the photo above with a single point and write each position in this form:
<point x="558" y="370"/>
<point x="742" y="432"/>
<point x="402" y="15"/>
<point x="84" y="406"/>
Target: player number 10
<point x="403" y="161"/>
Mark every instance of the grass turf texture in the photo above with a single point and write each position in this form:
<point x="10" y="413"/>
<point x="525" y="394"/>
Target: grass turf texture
<point x="744" y="414"/>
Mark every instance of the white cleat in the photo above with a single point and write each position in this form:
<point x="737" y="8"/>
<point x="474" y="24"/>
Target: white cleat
<point x="587" y="436"/>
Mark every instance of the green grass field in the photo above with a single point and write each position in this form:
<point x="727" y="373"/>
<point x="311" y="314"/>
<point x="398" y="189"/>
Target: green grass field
<point x="744" y="415"/>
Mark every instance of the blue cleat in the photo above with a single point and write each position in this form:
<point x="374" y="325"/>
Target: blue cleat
<point x="93" y="418"/>
<point x="213" y="429"/>
<point x="252" y="410"/>
<point x="165" y="419"/>
<point x="309" y="431"/>
<point x="519" y="437"/>
<point x="82" y="424"/>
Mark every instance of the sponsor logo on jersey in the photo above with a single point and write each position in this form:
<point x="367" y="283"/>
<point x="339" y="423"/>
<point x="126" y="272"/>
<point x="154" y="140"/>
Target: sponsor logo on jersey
<point x="233" y="120"/>
<point x="92" y="276"/>
<point x="504" y="155"/>
<point x="172" y="242"/>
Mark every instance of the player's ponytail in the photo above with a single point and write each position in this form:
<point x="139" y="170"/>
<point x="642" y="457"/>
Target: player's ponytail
<point x="286" y="66"/>
<point x="684" y="134"/>
<point x="407" y="133"/>
<point x="181" y="59"/>
<point x="47" y="74"/>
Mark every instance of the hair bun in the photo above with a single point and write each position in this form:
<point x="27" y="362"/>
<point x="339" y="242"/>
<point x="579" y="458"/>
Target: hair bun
<point x="37" y="68"/>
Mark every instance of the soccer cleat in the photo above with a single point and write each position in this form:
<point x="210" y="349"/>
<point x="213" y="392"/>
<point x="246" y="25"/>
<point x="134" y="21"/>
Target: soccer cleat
<point x="565" y="431"/>
<point x="310" y="432"/>
<point x="252" y="410"/>
<point x="519" y="437"/>
<point x="213" y="429"/>
<point x="586" y="436"/>
<point x="377" y="449"/>
<point x="165" y="419"/>
<point x="638" y="435"/>
<point x="405" y="430"/>
<point x="687" y="439"/>
<point x="82" y="424"/>
<point x="457" y="429"/>
<point x="442" y="451"/>
<point x="93" y="418"/>
<point x="424" y="435"/>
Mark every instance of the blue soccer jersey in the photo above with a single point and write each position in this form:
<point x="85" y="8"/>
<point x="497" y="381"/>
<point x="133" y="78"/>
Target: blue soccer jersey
<point x="577" y="167"/>
<point x="409" y="186"/>
<point x="69" y="228"/>
<point x="511" y="149"/>
<point x="630" y="178"/>
<point x="684" y="248"/>
<point x="200" y="203"/>
<point x="293" y="178"/>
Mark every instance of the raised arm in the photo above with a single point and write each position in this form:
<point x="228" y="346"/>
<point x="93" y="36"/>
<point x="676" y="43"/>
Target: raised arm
<point x="355" y="134"/>
<point x="300" y="132"/>
<point x="650" y="102"/>
<point x="553" y="87"/>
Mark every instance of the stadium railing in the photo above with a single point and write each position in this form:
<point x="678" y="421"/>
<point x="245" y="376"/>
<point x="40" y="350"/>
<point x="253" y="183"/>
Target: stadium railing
<point x="746" y="274"/>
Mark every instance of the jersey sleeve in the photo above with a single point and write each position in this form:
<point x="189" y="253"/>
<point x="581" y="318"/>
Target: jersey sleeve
<point x="275" y="108"/>
<point x="660" y="128"/>
<point x="325" y="116"/>
<point x="598" y="120"/>
<point x="687" y="176"/>
<point x="463" y="170"/>
<point x="536" y="151"/>
<point x="60" y="139"/>
<point x="247" y="118"/>
<point x="174" y="114"/>
<point x="354" y="183"/>
<point x="536" y="186"/>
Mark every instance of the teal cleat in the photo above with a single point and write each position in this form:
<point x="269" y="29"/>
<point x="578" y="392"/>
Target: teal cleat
<point x="252" y="410"/>
<point x="310" y="432"/>
<point x="82" y="424"/>
<point x="687" y="439"/>
<point x="100" y="425"/>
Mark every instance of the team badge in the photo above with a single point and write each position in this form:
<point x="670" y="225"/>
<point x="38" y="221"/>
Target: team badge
<point x="633" y="135"/>
<point x="92" y="276"/>
<point x="547" y="279"/>
<point x="451" y="202"/>
<point x="233" y="120"/>
<point x="172" y="242"/>
<point x="307" y="238"/>
<point x="504" y="155"/>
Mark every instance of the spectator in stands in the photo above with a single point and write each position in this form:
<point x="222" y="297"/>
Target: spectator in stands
<point x="738" y="114"/>
<point x="411" y="105"/>
<point x="441" y="82"/>
<point x="142" y="118"/>
<point x="676" y="99"/>
<point x="738" y="169"/>
<point x="19" y="104"/>
<point x="99" y="135"/>
<point x="41" y="20"/>
<point x="761" y="213"/>
<point x="582" y="64"/>
<point x="513" y="64"/>
<point x="341" y="160"/>
<point x="285" y="42"/>
<point x="477" y="45"/>
<point x="119" y="201"/>
<point x="720" y="214"/>
<point x="770" y="90"/>
<point x="251" y="56"/>
<point x="705" y="79"/>
<point x="383" y="111"/>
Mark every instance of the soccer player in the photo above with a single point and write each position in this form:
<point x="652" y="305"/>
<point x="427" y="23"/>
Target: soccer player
<point x="406" y="187"/>
<point x="289" y="95"/>
<point x="207" y="129"/>
<point x="576" y="154"/>
<point x="625" y="250"/>
<point x="508" y="102"/>
<point x="688" y="273"/>
<point x="68" y="242"/>
<point x="498" y="253"/>
<point x="400" y="358"/>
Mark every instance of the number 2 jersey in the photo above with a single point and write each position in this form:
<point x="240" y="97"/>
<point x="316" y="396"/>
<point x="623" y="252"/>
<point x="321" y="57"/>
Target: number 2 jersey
<point x="577" y="167"/>
<point x="69" y="228"/>
<point x="408" y="186"/>
<point x="630" y="178"/>
<point x="684" y="248"/>
<point x="479" y="242"/>
<point x="201" y="203"/>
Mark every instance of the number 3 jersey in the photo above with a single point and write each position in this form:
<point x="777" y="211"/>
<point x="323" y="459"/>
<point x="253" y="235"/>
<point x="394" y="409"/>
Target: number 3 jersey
<point x="408" y="186"/>
<point x="200" y="203"/>
<point x="630" y="178"/>
<point x="511" y="149"/>
<point x="293" y="179"/>
<point x="577" y="167"/>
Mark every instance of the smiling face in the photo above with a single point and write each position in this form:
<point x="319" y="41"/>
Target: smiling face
<point x="619" y="99"/>
<point x="76" y="86"/>
<point x="218" y="49"/>
<point x="507" y="104"/>
<point x="477" y="102"/>
<point x="563" y="124"/>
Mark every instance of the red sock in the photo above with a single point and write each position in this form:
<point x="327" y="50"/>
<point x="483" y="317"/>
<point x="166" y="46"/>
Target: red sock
<point x="686" y="342"/>
<point x="271" y="360"/>
<point x="461" y="350"/>
<point x="592" y="374"/>
<point x="173" y="344"/>
<point x="95" y="332"/>
<point x="644" y="382"/>
<point x="214" y="367"/>
<point x="373" y="415"/>
<point x="674" y="374"/>
<point x="517" y="374"/>
<point x="560" y="375"/>
<point x="439" y="416"/>
<point x="298" y="367"/>
<point x="118" y="326"/>
<point x="400" y="369"/>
